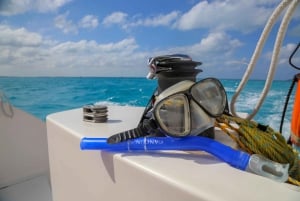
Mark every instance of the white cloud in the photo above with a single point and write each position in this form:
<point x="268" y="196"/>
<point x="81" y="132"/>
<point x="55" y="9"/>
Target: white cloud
<point x="122" y="19"/>
<point x="14" y="7"/>
<point x="240" y="15"/>
<point x="162" y="20"/>
<point x="19" y="47"/>
<point x="219" y="15"/>
<point x="219" y="42"/>
<point x="284" y="55"/>
<point x="283" y="69"/>
<point x="18" y="37"/>
<point x="91" y="58"/>
<point x="89" y="21"/>
<point x="67" y="26"/>
<point x="159" y="20"/>
<point x="214" y="46"/>
<point x="218" y="52"/>
<point x="24" y="53"/>
<point x="115" y="18"/>
<point x="215" y="51"/>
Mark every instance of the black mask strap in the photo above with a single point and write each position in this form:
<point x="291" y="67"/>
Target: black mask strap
<point x="146" y="126"/>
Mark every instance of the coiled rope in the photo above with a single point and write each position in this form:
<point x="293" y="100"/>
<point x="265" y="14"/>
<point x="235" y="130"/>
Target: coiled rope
<point x="255" y="138"/>
<point x="276" y="50"/>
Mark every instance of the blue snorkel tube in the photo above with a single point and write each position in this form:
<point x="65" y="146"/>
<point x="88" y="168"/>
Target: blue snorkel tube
<point x="238" y="159"/>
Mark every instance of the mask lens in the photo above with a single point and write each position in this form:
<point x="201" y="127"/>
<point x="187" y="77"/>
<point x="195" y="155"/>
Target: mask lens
<point x="173" y="115"/>
<point x="210" y="94"/>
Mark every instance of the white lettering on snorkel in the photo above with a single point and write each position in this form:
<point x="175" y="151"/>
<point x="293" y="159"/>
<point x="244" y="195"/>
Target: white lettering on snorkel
<point x="146" y="141"/>
<point x="153" y="141"/>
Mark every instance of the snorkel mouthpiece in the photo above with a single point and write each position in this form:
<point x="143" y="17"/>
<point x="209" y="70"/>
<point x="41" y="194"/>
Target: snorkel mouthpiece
<point x="267" y="168"/>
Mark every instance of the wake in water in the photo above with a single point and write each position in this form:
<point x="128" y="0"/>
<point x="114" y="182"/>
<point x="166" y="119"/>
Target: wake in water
<point x="41" y="96"/>
<point x="271" y="111"/>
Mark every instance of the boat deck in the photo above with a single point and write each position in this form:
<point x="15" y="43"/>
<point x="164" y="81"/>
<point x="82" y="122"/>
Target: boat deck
<point x="173" y="175"/>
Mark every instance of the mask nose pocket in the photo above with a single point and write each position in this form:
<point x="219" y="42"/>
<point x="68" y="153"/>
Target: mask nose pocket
<point x="200" y="121"/>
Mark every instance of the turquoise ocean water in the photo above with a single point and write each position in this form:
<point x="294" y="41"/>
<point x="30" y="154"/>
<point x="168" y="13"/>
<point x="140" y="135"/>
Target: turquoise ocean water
<point x="41" y="96"/>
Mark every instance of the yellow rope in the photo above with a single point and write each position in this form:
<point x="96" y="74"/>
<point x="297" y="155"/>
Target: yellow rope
<point x="293" y="181"/>
<point x="267" y="142"/>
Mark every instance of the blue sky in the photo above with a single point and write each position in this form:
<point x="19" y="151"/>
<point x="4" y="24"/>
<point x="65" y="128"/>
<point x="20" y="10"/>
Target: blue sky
<point x="115" y="38"/>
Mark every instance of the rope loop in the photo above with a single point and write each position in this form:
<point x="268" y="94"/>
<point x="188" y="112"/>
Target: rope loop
<point x="255" y="138"/>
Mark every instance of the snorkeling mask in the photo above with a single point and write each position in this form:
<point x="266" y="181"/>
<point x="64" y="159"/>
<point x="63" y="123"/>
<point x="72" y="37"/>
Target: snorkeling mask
<point x="186" y="108"/>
